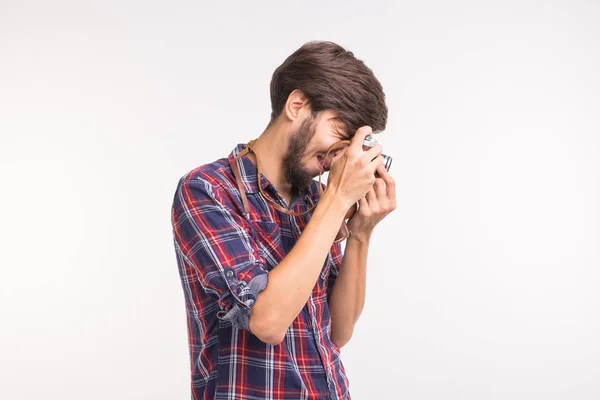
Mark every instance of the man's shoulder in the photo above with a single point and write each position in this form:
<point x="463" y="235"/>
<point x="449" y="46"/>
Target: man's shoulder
<point x="211" y="182"/>
<point x="217" y="174"/>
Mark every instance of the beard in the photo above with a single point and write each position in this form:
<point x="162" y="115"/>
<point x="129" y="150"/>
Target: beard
<point x="295" y="173"/>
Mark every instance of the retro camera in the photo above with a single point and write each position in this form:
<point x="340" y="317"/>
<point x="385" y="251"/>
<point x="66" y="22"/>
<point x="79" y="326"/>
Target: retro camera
<point x="370" y="141"/>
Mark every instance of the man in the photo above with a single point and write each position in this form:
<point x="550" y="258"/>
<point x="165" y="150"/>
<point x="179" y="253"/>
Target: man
<point x="270" y="296"/>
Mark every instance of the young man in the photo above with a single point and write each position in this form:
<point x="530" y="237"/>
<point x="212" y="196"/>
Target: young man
<point x="270" y="296"/>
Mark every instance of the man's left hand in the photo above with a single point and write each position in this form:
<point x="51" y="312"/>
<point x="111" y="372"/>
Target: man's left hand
<point x="376" y="205"/>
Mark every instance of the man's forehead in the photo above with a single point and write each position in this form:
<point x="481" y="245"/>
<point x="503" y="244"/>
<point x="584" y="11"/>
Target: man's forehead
<point x="340" y="124"/>
<point x="336" y="119"/>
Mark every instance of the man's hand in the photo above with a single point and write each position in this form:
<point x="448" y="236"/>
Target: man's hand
<point x="379" y="201"/>
<point x="352" y="172"/>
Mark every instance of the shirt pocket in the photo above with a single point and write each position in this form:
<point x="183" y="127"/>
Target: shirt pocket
<point x="268" y="239"/>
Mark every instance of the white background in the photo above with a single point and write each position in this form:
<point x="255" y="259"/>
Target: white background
<point x="483" y="284"/>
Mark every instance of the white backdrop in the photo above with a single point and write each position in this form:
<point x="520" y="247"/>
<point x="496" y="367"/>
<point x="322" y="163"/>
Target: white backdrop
<point x="483" y="284"/>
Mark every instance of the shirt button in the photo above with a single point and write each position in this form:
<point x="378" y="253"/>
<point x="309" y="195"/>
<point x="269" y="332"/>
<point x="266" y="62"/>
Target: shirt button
<point x="229" y="273"/>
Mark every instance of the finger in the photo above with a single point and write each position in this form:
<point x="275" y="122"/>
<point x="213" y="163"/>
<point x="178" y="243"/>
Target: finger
<point x="376" y="164"/>
<point x="373" y="152"/>
<point x="359" y="138"/>
<point x="390" y="183"/>
<point x="380" y="189"/>
<point x="363" y="205"/>
<point x="371" y="197"/>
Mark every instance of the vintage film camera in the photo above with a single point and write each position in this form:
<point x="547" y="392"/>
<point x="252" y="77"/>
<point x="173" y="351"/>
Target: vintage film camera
<point x="370" y="141"/>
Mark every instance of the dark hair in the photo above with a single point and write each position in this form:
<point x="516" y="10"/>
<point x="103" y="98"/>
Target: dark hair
<point x="331" y="78"/>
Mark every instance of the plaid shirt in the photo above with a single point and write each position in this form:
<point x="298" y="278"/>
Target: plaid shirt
<point x="224" y="258"/>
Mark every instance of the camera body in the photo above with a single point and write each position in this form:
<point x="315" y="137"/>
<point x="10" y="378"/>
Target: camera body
<point x="370" y="141"/>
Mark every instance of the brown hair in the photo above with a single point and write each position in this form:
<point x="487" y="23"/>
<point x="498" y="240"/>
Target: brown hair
<point x="331" y="78"/>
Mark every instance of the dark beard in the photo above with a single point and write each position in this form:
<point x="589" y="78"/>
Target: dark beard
<point x="294" y="171"/>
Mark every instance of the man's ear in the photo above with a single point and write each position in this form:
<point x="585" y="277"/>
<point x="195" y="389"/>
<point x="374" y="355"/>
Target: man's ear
<point x="295" y="105"/>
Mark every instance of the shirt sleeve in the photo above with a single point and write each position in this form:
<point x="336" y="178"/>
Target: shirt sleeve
<point x="215" y="241"/>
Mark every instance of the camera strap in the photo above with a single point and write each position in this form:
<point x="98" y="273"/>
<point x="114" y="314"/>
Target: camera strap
<point x="342" y="234"/>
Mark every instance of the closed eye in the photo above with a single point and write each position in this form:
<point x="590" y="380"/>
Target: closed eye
<point x="341" y="133"/>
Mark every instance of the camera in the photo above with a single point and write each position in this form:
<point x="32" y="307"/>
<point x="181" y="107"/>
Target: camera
<point x="370" y="141"/>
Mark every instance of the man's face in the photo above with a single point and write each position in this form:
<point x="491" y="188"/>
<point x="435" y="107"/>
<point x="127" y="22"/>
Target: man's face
<point x="307" y="147"/>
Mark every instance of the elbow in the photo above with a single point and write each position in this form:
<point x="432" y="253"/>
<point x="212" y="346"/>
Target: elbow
<point x="273" y="340"/>
<point x="342" y="338"/>
<point x="266" y="330"/>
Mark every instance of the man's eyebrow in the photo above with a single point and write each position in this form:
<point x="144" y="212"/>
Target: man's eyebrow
<point x="341" y="124"/>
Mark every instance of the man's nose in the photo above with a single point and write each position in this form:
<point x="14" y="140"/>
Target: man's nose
<point x="336" y="152"/>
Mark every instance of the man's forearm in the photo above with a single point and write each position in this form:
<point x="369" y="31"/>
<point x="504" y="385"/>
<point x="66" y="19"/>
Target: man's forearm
<point x="292" y="281"/>
<point x="347" y="297"/>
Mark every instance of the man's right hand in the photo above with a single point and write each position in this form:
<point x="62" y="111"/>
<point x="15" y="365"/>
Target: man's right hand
<point x="352" y="172"/>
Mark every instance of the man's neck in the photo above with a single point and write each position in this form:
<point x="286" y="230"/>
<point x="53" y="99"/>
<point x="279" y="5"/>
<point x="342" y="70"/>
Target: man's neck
<point x="270" y="148"/>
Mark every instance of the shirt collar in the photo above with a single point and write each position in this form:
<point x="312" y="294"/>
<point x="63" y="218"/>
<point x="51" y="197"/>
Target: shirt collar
<point x="248" y="171"/>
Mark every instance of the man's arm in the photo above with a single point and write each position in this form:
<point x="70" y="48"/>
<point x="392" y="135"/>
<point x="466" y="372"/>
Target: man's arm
<point x="292" y="281"/>
<point x="347" y="297"/>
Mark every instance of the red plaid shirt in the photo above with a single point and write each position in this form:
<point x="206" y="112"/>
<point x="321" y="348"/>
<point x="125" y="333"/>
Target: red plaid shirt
<point x="224" y="259"/>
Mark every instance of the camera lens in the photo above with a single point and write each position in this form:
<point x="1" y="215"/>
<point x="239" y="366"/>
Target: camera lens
<point x="388" y="162"/>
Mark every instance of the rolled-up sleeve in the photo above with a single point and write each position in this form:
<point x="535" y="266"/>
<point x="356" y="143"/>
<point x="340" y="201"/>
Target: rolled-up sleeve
<point x="216" y="244"/>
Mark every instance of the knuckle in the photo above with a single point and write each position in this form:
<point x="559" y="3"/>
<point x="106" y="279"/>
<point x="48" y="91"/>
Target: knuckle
<point x="362" y="132"/>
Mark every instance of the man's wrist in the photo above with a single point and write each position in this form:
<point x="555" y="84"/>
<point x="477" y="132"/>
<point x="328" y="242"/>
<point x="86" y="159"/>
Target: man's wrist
<point x="360" y="237"/>
<point x="336" y="202"/>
